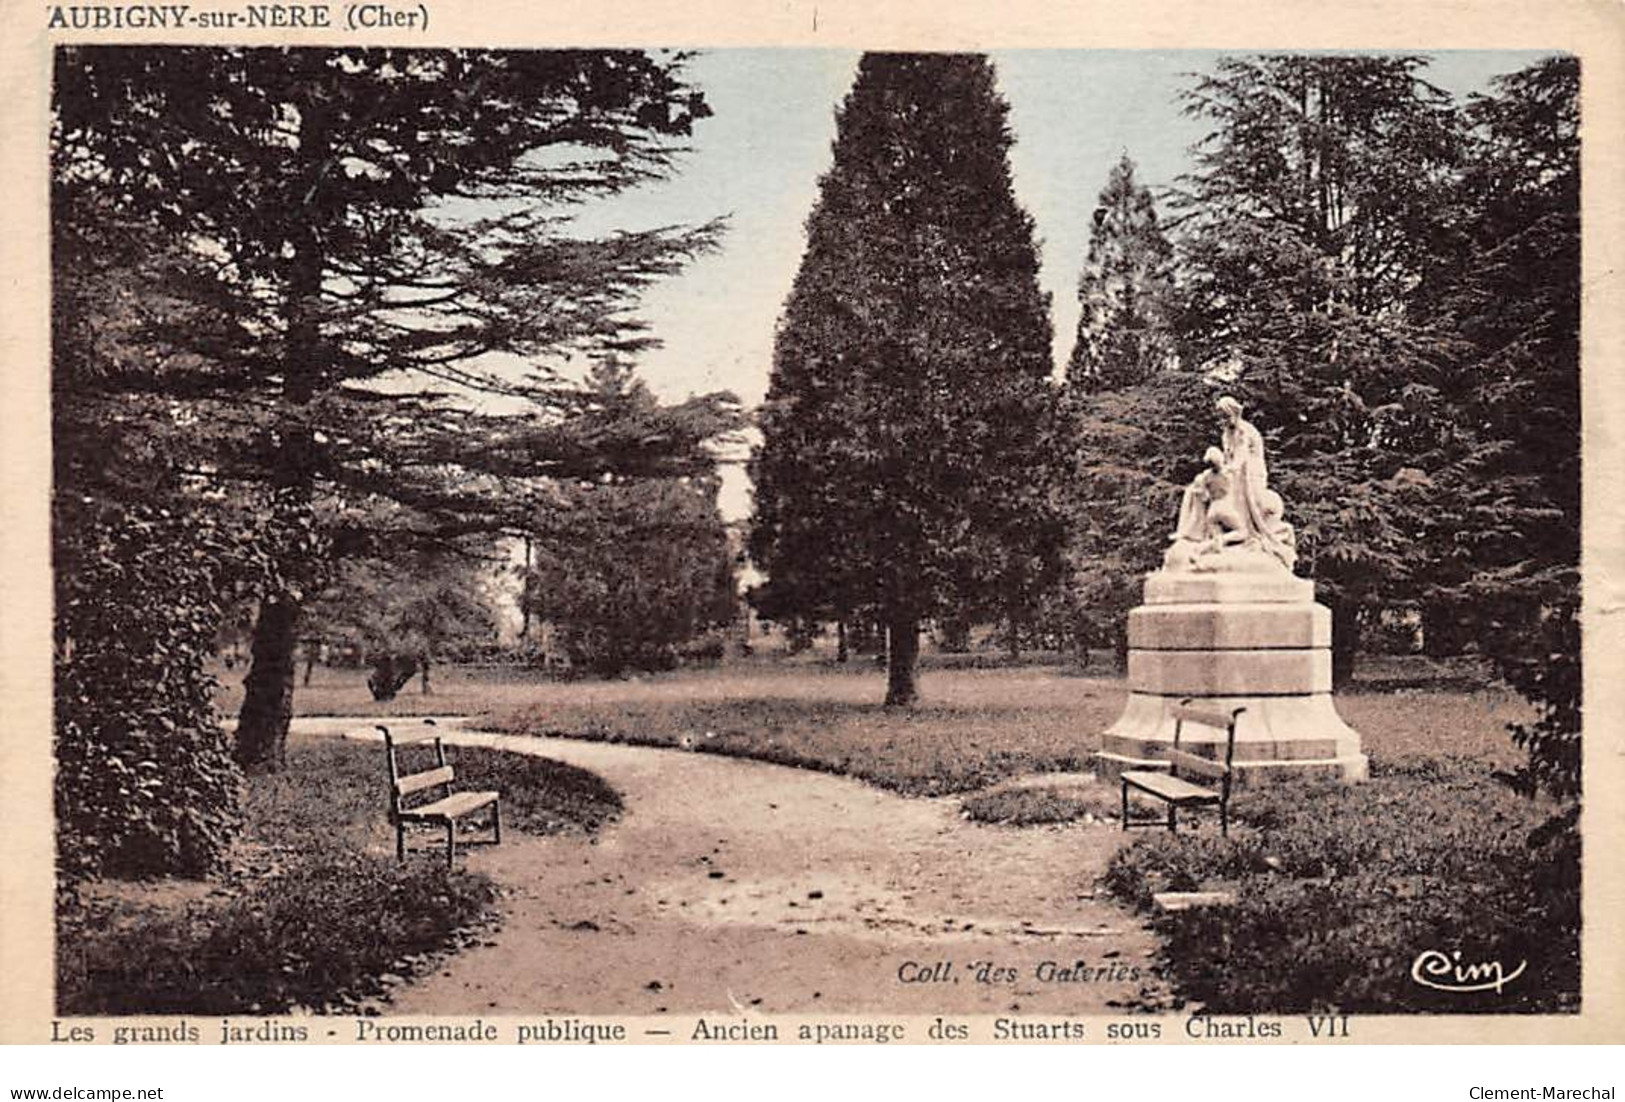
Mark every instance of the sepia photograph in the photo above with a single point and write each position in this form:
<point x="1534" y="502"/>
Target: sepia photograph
<point x="814" y="544"/>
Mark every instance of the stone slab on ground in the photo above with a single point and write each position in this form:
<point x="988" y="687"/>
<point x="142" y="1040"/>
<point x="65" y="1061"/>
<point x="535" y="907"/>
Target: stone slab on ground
<point x="1185" y="901"/>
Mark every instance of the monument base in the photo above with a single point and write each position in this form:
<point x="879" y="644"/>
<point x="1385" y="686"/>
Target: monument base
<point x="1276" y="737"/>
<point x="1252" y="639"/>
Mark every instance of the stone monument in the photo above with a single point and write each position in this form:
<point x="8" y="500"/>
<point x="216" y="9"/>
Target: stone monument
<point x="1227" y="622"/>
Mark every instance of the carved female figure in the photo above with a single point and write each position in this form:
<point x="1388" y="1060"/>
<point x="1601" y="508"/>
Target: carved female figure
<point x="1246" y="512"/>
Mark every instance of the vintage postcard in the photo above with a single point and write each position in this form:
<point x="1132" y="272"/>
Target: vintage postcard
<point x="826" y="526"/>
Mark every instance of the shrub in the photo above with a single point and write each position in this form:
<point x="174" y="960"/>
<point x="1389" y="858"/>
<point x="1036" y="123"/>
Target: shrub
<point x="1339" y="889"/>
<point x="1176" y="863"/>
<point x="631" y="571"/>
<point x="1545" y="667"/>
<point x="145" y="781"/>
<point x="322" y="932"/>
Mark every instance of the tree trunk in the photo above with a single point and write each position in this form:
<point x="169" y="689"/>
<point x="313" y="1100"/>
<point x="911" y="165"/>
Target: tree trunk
<point x="524" y="597"/>
<point x="423" y="676"/>
<point x="310" y="663"/>
<point x="262" y="728"/>
<point x="389" y="673"/>
<point x="1345" y="642"/>
<point x="1012" y="641"/>
<point x="902" y="656"/>
<point x="841" y="653"/>
<point x="801" y="633"/>
<point x="262" y="725"/>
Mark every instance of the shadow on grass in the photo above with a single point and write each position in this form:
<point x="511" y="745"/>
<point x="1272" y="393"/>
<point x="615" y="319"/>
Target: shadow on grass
<point x="1019" y="807"/>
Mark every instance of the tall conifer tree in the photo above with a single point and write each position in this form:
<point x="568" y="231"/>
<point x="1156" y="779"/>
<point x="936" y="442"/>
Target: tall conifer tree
<point x="1505" y="556"/>
<point x="907" y="434"/>
<point x="1128" y="408"/>
<point x="1125" y="291"/>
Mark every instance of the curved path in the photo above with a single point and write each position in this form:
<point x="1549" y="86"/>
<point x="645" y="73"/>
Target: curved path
<point x="738" y="885"/>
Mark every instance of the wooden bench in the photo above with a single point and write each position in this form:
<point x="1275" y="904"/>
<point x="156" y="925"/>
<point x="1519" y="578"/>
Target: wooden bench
<point x="446" y="809"/>
<point x="1175" y="790"/>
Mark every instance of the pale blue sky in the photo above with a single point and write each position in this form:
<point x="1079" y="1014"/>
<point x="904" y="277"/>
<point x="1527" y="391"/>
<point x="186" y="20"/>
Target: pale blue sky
<point x="758" y="160"/>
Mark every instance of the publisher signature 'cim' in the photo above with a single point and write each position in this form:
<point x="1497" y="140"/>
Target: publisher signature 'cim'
<point x="1446" y="972"/>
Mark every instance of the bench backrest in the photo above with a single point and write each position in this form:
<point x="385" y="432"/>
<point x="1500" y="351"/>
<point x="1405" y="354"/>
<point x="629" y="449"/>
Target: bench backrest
<point x="1182" y="761"/>
<point x="404" y="786"/>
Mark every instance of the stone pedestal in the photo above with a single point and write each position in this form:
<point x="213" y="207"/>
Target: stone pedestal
<point x="1253" y="639"/>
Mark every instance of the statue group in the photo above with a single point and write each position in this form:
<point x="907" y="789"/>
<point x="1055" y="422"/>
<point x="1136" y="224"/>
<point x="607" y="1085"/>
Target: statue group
<point x="1229" y="518"/>
<point x="1227" y="623"/>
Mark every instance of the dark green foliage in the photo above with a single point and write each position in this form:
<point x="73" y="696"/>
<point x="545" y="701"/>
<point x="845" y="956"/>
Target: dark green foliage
<point x="145" y="782"/>
<point x="1314" y="210"/>
<point x="146" y="560"/>
<point x="1134" y="450"/>
<point x="390" y="673"/>
<point x="320" y="934"/>
<point x="635" y="575"/>
<point x="1129" y="412"/>
<point x="1544" y="665"/>
<point x="407" y="610"/>
<point x="1339" y="888"/>
<point x="1508" y="554"/>
<point x="1020" y="806"/>
<point x="1391" y="284"/>
<point x="1126" y="290"/>
<point x="1394" y="285"/>
<point x="908" y="428"/>
<point x="632" y="573"/>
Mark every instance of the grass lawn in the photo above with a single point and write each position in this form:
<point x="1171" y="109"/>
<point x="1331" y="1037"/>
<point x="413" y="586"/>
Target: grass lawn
<point x="314" y="908"/>
<point x="975" y="727"/>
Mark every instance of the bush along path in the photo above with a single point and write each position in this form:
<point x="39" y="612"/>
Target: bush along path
<point x="1344" y="894"/>
<point x="739" y="887"/>
<point x="311" y="909"/>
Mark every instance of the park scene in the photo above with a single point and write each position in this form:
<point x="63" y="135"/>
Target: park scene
<point x="745" y="532"/>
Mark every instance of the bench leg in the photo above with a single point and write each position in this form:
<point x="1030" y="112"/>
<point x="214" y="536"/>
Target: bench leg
<point x="400" y="840"/>
<point x="496" y="822"/>
<point x="1224" y="819"/>
<point x="451" y="843"/>
<point x="1125" y="805"/>
<point x="1173" y="818"/>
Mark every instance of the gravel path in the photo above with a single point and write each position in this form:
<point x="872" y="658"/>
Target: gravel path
<point x="733" y="885"/>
